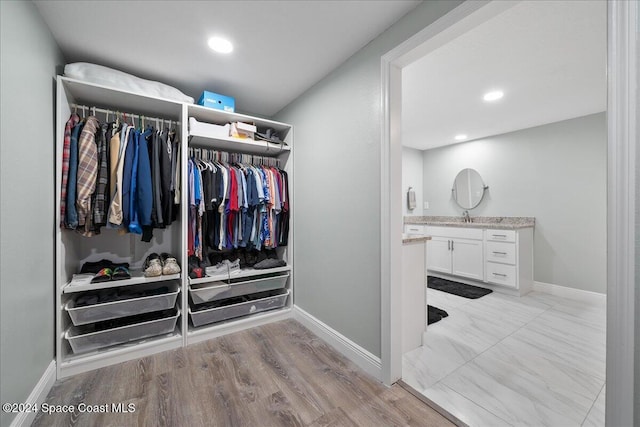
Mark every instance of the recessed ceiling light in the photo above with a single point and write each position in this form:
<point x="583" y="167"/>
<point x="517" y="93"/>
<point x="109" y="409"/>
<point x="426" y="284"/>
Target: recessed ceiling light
<point x="460" y="137"/>
<point x="220" y="45"/>
<point x="493" y="95"/>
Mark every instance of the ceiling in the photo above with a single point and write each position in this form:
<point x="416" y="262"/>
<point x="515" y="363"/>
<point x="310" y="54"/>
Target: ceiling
<point x="548" y="57"/>
<point x="282" y="48"/>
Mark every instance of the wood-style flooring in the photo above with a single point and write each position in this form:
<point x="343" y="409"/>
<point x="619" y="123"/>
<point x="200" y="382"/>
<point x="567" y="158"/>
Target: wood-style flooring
<point x="279" y="374"/>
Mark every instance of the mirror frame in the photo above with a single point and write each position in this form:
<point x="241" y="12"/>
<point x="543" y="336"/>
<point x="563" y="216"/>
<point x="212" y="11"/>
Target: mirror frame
<point x="454" y="194"/>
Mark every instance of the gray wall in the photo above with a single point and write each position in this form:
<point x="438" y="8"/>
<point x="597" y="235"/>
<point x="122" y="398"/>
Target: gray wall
<point x="556" y="173"/>
<point x="637" y="272"/>
<point x="337" y="189"/>
<point x="412" y="176"/>
<point x="28" y="67"/>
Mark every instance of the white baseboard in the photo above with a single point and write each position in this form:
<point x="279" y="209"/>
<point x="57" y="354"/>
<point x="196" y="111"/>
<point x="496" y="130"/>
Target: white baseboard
<point x="37" y="396"/>
<point x="364" y="359"/>
<point x="570" y="293"/>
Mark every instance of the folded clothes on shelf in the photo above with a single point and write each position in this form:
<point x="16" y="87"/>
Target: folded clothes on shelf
<point x="116" y="294"/>
<point x="269" y="263"/>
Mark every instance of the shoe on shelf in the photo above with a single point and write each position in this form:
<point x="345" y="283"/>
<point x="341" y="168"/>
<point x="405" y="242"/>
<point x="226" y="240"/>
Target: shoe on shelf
<point x="224" y="267"/>
<point x="152" y="266"/>
<point x="195" y="269"/>
<point x="169" y="264"/>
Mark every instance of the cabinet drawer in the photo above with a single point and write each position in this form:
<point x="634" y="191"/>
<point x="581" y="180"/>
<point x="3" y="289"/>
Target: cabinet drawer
<point x="501" y="274"/>
<point x="414" y="228"/>
<point x="455" y="232"/>
<point x="501" y="252"/>
<point x="501" y="235"/>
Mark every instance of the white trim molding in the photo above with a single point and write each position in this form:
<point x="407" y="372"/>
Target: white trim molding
<point x="570" y="293"/>
<point x="37" y="396"/>
<point x="622" y="124"/>
<point x="364" y="359"/>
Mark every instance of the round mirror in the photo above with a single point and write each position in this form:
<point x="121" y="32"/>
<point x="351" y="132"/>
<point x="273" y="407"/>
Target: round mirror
<point x="468" y="188"/>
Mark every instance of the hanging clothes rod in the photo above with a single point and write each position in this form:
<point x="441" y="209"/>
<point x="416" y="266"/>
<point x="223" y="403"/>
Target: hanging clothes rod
<point x="226" y="157"/>
<point x="120" y="113"/>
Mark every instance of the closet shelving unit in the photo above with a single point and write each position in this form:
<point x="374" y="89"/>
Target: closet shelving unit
<point x="247" y="281"/>
<point x="73" y="249"/>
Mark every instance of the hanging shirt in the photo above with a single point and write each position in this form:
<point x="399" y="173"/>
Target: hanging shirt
<point x="87" y="173"/>
<point x="143" y="194"/>
<point x="66" y="154"/>
<point x="101" y="199"/>
<point x="116" y="208"/>
<point x="71" y="219"/>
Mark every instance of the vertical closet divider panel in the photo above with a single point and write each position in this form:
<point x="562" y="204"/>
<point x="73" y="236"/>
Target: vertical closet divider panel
<point x="184" y="210"/>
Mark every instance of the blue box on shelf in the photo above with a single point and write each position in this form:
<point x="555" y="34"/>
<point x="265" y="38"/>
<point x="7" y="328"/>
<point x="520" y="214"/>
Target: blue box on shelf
<point x="217" y="101"/>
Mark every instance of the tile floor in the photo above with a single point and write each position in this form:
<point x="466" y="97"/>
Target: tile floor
<point x="537" y="360"/>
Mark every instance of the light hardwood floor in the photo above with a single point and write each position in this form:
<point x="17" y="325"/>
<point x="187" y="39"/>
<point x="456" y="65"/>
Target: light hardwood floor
<point x="274" y="375"/>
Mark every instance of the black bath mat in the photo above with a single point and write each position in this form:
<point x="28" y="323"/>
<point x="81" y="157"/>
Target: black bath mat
<point x="434" y="314"/>
<point x="456" y="288"/>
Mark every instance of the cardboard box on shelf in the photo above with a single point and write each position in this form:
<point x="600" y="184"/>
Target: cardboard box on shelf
<point x="242" y="130"/>
<point x="217" y="101"/>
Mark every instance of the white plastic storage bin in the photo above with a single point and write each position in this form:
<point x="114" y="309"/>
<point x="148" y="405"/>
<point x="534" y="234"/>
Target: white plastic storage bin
<point x="82" y="342"/>
<point x="126" y="307"/>
<point x="214" y="291"/>
<point x="208" y="130"/>
<point x="249" y="305"/>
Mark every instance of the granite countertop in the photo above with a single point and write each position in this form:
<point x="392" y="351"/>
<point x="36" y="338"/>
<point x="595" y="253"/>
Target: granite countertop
<point x="414" y="238"/>
<point x="493" y="222"/>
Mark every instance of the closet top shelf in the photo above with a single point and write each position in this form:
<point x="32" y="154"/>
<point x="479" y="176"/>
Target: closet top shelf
<point x="91" y="94"/>
<point x="239" y="145"/>
<point x="137" y="278"/>
<point x="210" y="115"/>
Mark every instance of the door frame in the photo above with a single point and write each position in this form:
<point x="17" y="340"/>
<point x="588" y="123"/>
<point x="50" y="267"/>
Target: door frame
<point x="622" y="122"/>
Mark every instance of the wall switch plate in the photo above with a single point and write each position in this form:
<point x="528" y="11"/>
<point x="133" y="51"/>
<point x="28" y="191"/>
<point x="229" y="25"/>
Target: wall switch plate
<point x="426" y="205"/>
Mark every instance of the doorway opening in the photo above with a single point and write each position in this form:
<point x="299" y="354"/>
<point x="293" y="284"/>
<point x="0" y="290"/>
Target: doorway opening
<point x="438" y="34"/>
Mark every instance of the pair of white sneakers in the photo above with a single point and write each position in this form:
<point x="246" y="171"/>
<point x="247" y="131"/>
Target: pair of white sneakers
<point x="224" y="267"/>
<point x="156" y="265"/>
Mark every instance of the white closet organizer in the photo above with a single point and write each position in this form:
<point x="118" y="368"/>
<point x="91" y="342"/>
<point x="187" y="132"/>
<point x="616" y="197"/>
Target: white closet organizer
<point x="228" y="302"/>
<point x="267" y="295"/>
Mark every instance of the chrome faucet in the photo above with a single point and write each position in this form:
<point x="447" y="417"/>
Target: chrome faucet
<point x="466" y="217"/>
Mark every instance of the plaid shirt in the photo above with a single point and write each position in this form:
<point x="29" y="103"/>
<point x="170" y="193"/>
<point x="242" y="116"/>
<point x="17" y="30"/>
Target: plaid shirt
<point x="66" y="153"/>
<point x="87" y="173"/>
<point x="101" y="197"/>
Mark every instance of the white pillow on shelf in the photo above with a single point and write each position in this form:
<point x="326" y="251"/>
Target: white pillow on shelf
<point x="106" y="76"/>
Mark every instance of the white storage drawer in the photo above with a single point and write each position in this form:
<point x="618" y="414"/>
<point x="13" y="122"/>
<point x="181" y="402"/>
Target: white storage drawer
<point x="502" y="274"/>
<point x="501" y="235"/>
<point x="214" y="291"/>
<point x="83" y="339"/>
<point x="246" y="305"/>
<point x="455" y="232"/>
<point x="501" y="252"/>
<point x="125" y="307"/>
<point x="414" y="228"/>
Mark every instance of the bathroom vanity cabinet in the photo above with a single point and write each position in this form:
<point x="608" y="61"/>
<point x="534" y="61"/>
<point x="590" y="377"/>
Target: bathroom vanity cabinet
<point x="457" y="251"/>
<point x="486" y="255"/>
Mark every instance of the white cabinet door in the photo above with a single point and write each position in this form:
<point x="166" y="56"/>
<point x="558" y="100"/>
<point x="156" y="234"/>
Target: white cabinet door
<point x="467" y="258"/>
<point x="439" y="255"/>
